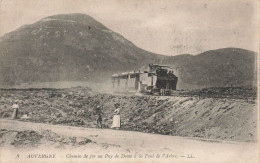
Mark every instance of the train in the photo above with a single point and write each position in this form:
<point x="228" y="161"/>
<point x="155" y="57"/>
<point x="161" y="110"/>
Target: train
<point x="157" y="80"/>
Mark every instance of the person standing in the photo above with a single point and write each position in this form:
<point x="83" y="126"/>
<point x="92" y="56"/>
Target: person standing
<point x="15" y="108"/>
<point x="99" y="121"/>
<point x="116" y="118"/>
<point x="99" y="118"/>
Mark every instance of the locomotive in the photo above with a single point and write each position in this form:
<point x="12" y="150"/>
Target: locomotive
<point x="158" y="80"/>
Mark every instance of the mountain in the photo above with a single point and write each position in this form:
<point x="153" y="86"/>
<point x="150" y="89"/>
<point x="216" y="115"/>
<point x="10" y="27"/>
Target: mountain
<point x="67" y="47"/>
<point x="75" y="47"/>
<point x="226" y="67"/>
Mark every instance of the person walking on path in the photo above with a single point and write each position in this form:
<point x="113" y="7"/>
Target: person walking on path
<point x="116" y="118"/>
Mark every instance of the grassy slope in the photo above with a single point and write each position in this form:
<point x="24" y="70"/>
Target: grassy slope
<point x="215" y="118"/>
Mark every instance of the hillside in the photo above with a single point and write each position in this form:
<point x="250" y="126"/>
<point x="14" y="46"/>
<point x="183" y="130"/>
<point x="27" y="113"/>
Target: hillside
<point x="67" y="47"/>
<point x="75" y="47"/>
<point x="210" y="117"/>
<point x="229" y="67"/>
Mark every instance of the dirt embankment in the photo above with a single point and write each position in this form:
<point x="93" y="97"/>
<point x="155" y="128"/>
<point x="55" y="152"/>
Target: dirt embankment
<point x="213" y="118"/>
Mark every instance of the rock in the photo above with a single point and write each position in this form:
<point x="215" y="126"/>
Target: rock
<point x="6" y="115"/>
<point x="25" y="116"/>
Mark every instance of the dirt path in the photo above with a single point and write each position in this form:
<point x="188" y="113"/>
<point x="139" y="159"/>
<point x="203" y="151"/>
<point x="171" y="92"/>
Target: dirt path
<point x="109" y="141"/>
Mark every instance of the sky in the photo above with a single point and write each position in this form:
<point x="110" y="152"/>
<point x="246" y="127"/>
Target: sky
<point x="169" y="27"/>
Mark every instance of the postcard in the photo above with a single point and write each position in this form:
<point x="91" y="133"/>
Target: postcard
<point x="129" y="81"/>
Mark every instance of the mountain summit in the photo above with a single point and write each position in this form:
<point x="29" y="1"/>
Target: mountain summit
<point x="67" y="47"/>
<point x="76" y="47"/>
